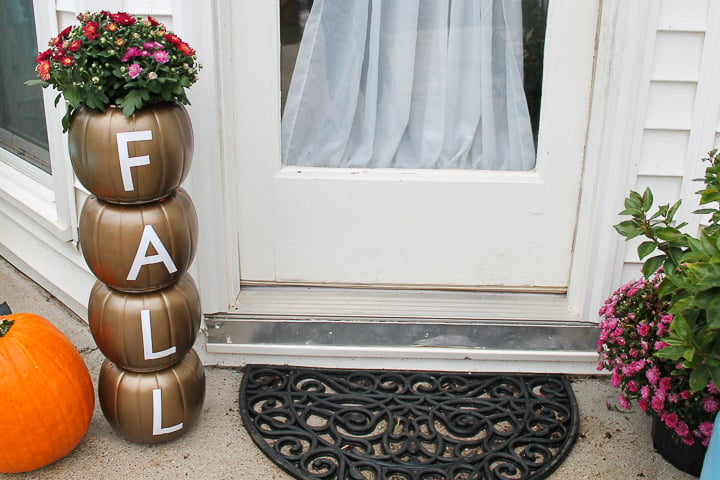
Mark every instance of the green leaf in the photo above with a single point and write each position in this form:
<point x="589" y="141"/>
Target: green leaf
<point x="647" y="199"/>
<point x="699" y="378"/>
<point x="652" y="264"/>
<point x="635" y="212"/>
<point x="712" y="314"/>
<point x="629" y="229"/>
<point x="134" y="100"/>
<point x="673" y="210"/>
<point x="704" y="211"/>
<point x="646" y="248"/>
<point x="715" y="375"/>
<point x="671" y="353"/>
<point x="42" y="83"/>
<point x="669" y="234"/>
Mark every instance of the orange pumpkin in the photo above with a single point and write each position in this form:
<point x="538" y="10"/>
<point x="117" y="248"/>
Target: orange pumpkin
<point x="46" y="394"/>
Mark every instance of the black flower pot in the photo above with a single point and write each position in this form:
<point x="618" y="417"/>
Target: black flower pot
<point x="688" y="458"/>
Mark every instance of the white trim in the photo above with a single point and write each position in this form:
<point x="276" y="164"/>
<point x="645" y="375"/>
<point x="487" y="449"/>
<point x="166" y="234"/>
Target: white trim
<point x="38" y="211"/>
<point x="622" y="72"/>
<point x="211" y="188"/>
<point x="414" y="358"/>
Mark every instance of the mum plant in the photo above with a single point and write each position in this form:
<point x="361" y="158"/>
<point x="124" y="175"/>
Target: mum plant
<point x="660" y="335"/>
<point x="117" y="59"/>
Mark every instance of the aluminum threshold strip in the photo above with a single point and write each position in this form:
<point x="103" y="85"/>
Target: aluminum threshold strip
<point x="391" y="333"/>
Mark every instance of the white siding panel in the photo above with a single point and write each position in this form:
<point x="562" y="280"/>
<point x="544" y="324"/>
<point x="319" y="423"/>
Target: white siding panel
<point x="663" y="152"/>
<point x="677" y="56"/>
<point x="630" y="271"/>
<point x="670" y="105"/>
<point x="684" y="15"/>
<point x="665" y="189"/>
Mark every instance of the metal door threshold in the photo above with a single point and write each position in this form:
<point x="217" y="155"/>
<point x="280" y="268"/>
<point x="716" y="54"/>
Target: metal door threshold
<point x="514" y="331"/>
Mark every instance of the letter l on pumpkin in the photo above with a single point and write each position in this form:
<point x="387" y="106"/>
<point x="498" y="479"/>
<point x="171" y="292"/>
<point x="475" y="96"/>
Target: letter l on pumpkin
<point x="147" y="338"/>
<point x="158" y="429"/>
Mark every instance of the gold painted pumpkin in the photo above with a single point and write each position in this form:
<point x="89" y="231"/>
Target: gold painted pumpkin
<point x="139" y="248"/>
<point x="153" y="407"/>
<point x="145" y="331"/>
<point x="135" y="159"/>
<point x="46" y="394"/>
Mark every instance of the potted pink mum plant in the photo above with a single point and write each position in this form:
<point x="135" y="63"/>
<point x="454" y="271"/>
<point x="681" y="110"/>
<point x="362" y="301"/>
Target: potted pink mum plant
<point x="660" y="335"/>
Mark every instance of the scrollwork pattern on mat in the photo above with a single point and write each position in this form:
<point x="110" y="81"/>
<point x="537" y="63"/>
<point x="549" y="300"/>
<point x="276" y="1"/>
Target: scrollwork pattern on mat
<point x="360" y="425"/>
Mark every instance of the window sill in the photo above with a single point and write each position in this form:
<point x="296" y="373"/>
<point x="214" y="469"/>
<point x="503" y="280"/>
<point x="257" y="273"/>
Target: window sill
<point x="30" y="198"/>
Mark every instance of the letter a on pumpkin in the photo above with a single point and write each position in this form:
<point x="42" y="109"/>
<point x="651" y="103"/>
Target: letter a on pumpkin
<point x="150" y="237"/>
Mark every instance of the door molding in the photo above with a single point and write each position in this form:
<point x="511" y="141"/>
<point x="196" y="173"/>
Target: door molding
<point x="612" y="137"/>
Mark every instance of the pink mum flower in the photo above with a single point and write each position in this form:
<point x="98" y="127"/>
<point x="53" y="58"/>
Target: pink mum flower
<point x="671" y="420"/>
<point x="682" y="429"/>
<point x="653" y="375"/>
<point x="131" y="52"/>
<point x="643" y="329"/>
<point x="706" y="428"/>
<point x="134" y="70"/>
<point x="658" y="402"/>
<point x="709" y="404"/>
<point x="665" y="383"/>
<point x="645" y="392"/>
<point x="161" y="56"/>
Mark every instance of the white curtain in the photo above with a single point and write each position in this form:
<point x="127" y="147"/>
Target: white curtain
<point x="410" y="84"/>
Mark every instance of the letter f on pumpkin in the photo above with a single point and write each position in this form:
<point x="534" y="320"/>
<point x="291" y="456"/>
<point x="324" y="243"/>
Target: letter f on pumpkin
<point x="126" y="161"/>
<point x="150" y="237"/>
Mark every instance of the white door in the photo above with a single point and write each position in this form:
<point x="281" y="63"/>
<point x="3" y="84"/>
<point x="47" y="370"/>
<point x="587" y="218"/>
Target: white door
<point x="509" y="230"/>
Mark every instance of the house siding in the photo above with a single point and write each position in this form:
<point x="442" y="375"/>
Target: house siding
<point x="680" y="123"/>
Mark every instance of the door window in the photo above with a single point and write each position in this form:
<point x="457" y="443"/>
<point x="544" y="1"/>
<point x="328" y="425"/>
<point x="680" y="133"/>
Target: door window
<point x="22" y="117"/>
<point x="412" y="84"/>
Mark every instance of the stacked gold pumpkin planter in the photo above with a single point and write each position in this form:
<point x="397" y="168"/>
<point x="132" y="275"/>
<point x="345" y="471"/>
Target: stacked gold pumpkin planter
<point x="138" y="234"/>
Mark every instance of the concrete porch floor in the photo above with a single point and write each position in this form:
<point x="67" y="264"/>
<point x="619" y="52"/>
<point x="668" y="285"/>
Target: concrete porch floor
<point x="612" y="445"/>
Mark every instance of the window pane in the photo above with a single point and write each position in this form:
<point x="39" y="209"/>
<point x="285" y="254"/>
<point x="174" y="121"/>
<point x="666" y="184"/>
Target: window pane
<point x="22" y="117"/>
<point x="474" y="44"/>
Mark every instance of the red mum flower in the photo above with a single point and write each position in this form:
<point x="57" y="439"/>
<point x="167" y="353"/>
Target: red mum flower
<point x="111" y="27"/>
<point x="65" y="32"/>
<point x="91" y="30"/>
<point x="44" y="69"/>
<point x="67" y="61"/>
<point x="74" y="46"/>
<point x="186" y="49"/>
<point x="154" y="22"/>
<point x="123" y="18"/>
<point x="44" y="55"/>
<point x="174" y="39"/>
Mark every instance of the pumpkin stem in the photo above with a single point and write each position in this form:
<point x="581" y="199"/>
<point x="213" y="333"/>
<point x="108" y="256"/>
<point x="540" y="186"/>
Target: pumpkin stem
<point x="5" y="327"/>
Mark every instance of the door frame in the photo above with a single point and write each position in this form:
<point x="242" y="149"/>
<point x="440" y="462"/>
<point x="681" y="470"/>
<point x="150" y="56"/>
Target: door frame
<point x="612" y="136"/>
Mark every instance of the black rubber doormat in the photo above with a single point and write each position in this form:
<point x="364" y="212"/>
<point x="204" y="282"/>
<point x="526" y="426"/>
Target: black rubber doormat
<point x="398" y="425"/>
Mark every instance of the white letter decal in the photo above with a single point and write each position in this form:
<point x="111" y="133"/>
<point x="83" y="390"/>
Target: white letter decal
<point x="157" y="416"/>
<point x="147" y="338"/>
<point x="149" y="237"/>
<point x="126" y="161"/>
